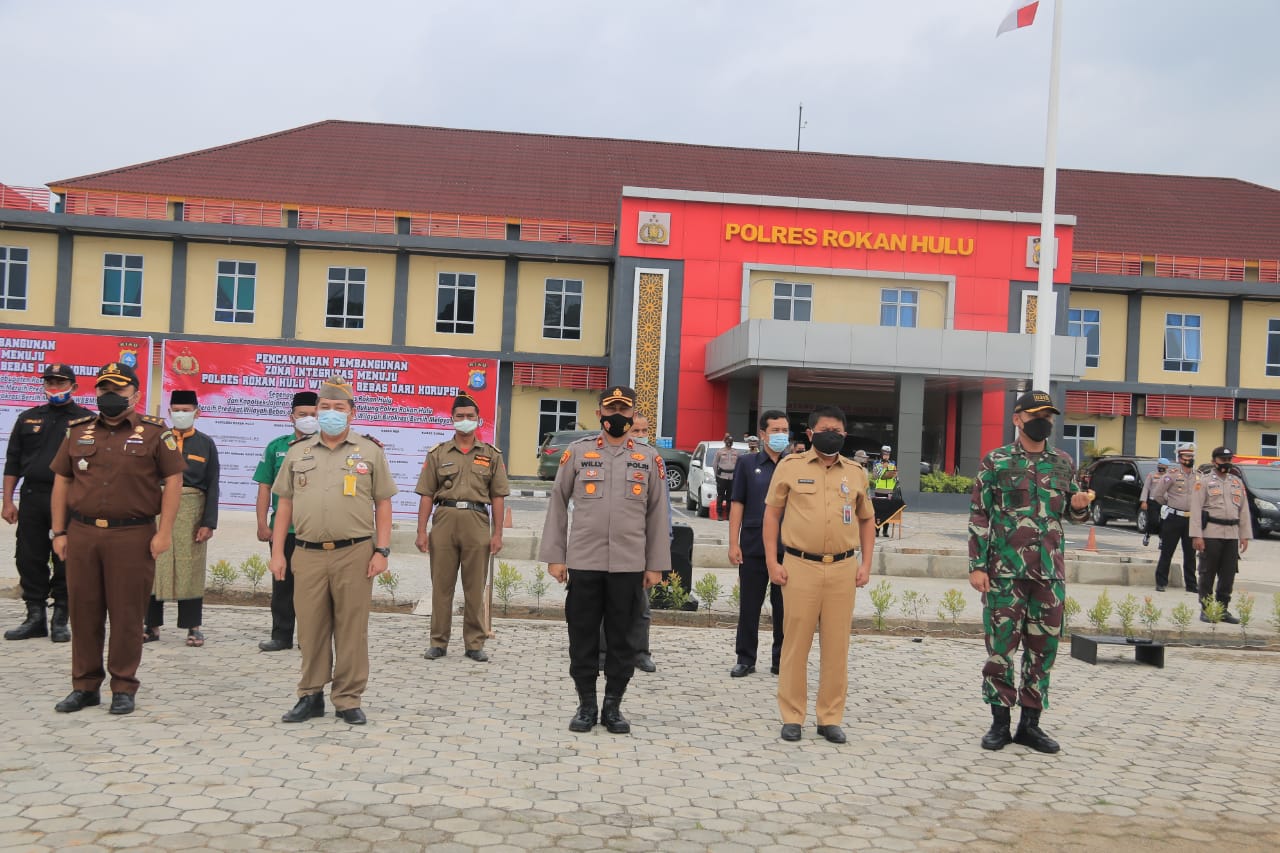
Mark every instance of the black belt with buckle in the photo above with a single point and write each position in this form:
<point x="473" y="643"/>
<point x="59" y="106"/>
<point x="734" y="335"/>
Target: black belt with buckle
<point x="331" y="546"/>
<point x="1225" y="522"/>
<point x="819" y="558"/>
<point x="478" y="507"/>
<point x="112" y="522"/>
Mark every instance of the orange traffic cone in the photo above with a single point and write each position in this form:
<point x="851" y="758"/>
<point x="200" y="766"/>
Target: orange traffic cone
<point x="506" y="519"/>
<point x="1092" y="544"/>
<point x="714" y="510"/>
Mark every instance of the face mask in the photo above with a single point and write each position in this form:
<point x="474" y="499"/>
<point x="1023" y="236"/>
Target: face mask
<point x="1187" y="463"/>
<point x="307" y="424"/>
<point x="1037" y="430"/>
<point x="778" y="442"/>
<point x="332" y="422"/>
<point x="60" y="399"/>
<point x="466" y="427"/>
<point x="642" y="439"/>
<point x="112" y="405"/>
<point x="828" y="443"/>
<point x="183" y="420"/>
<point x="617" y="425"/>
<point x="1224" y="467"/>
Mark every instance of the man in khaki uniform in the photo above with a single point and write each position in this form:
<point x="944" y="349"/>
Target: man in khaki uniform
<point x="1174" y="491"/>
<point x="463" y="487"/>
<point x="827" y="517"/>
<point x="1221" y="528"/>
<point x="335" y="490"/>
<point x="619" y="540"/>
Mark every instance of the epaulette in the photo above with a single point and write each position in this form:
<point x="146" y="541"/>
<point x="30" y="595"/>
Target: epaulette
<point x="154" y="421"/>
<point x="300" y="438"/>
<point x="493" y="448"/>
<point x="371" y="438"/>
<point x="83" y="420"/>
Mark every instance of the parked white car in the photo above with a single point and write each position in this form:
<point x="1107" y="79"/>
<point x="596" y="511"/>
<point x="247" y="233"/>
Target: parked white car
<point x="702" y="477"/>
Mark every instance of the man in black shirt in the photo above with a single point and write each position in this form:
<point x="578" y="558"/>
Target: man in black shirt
<point x="36" y="437"/>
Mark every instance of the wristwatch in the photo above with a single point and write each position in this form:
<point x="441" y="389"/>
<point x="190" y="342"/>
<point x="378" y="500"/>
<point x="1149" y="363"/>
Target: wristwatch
<point x="386" y="552"/>
<point x="54" y="534"/>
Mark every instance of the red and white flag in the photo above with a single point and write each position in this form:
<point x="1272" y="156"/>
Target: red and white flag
<point x="1021" y="14"/>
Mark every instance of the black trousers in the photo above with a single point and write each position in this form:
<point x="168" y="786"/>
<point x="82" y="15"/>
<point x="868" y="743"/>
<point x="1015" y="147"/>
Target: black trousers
<point x="608" y="599"/>
<point x="34" y="550"/>
<point x="639" y="628"/>
<point x="724" y="488"/>
<point x="1173" y="530"/>
<point x="1219" y="561"/>
<point x="190" y="613"/>
<point x="282" y="617"/>
<point x="753" y="582"/>
<point x="1153" y="518"/>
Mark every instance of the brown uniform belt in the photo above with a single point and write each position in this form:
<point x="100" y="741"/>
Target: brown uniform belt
<point x="112" y="522"/>
<point x="478" y="507"/>
<point x="819" y="558"/>
<point x="331" y="546"/>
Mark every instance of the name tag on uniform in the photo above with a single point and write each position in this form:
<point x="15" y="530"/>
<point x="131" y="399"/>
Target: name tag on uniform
<point x="806" y="482"/>
<point x="848" y="514"/>
<point x="349" y="485"/>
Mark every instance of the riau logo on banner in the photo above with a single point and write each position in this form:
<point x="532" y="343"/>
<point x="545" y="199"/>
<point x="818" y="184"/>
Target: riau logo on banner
<point x="655" y="228"/>
<point x="129" y="353"/>
<point x="185" y="364"/>
<point x="476" y="379"/>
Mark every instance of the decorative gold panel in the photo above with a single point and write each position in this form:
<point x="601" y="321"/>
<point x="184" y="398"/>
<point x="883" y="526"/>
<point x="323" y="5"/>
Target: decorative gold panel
<point x="648" y="345"/>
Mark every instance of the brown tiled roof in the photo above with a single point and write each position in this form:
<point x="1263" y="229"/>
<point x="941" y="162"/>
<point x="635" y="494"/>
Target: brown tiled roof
<point x="520" y="175"/>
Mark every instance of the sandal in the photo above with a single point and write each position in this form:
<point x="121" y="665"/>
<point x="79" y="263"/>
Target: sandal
<point x="150" y="635"/>
<point x="195" y="638"/>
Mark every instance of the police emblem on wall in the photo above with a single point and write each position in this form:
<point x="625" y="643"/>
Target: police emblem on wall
<point x="476" y="379"/>
<point x="654" y="229"/>
<point x="185" y="364"/>
<point x="129" y="354"/>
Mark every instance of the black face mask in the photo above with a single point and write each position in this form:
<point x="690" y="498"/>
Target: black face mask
<point x="112" y="405"/>
<point x="1224" y="467"/>
<point x="828" y="443"/>
<point x="1187" y="463"/>
<point x="617" y="425"/>
<point x="1038" y="429"/>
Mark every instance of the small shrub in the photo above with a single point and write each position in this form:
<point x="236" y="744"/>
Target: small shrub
<point x="389" y="581"/>
<point x="224" y="574"/>
<point x="539" y="585"/>
<point x="1212" y="609"/>
<point x="1244" y="611"/>
<point x="1150" y="615"/>
<point x="254" y="569"/>
<point x="953" y="604"/>
<point x="912" y="603"/>
<point x="1275" y="612"/>
<point x="677" y="595"/>
<point x="505" y="583"/>
<point x="1070" y="610"/>
<point x="1127" y="610"/>
<point x="1100" y="614"/>
<point x="939" y="481"/>
<point x="735" y="597"/>
<point x="881" y="601"/>
<point x="708" y="589"/>
<point x="1182" y="615"/>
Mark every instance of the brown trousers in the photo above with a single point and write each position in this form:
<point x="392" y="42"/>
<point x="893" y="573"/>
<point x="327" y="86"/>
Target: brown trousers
<point x="459" y="544"/>
<point x="821" y="596"/>
<point x="331" y="593"/>
<point x="109" y="574"/>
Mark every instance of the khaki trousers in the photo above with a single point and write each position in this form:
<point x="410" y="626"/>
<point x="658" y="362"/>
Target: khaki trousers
<point x="331" y="594"/>
<point x="817" y="595"/>
<point x="459" y="544"/>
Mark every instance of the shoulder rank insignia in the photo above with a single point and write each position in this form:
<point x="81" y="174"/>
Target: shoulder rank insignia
<point x="154" y="421"/>
<point x="374" y="440"/>
<point x="83" y="420"/>
<point x="564" y="457"/>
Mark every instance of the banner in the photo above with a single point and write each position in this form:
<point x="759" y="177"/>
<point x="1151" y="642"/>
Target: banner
<point x="402" y="400"/>
<point x="24" y="354"/>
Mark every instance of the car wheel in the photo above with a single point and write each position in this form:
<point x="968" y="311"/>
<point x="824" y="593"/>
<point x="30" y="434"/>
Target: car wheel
<point x="689" y="503"/>
<point x="1095" y="513"/>
<point x="675" y="478"/>
<point x="1141" y="521"/>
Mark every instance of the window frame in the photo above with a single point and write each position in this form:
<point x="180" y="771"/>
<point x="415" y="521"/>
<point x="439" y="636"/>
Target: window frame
<point x="1272" y="368"/>
<point x="124" y="268"/>
<point x="899" y="307"/>
<point x="1181" y="363"/>
<point x="791" y="300"/>
<point x="8" y="264"/>
<point x="562" y="328"/>
<point x="1071" y="436"/>
<point x="559" y="415"/>
<point x="1269" y="441"/>
<point x="348" y="319"/>
<point x="457" y="288"/>
<point x="238" y="278"/>
<point x="1078" y="325"/>
<point x="1168" y="449"/>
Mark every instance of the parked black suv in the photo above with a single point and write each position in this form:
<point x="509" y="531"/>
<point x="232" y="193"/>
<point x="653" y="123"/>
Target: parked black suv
<point x="1117" y="484"/>
<point x="1262" y="485"/>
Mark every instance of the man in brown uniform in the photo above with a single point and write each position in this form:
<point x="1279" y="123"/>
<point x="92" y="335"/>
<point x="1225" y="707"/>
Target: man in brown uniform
<point x="619" y="541"/>
<point x="828" y="516"/>
<point x="109" y="472"/>
<point x="335" y="489"/>
<point x="1221" y="528"/>
<point x="1174" y="491"/>
<point x="465" y="482"/>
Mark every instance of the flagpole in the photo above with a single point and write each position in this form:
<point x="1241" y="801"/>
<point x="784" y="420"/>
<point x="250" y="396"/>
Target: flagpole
<point x="1046" y="304"/>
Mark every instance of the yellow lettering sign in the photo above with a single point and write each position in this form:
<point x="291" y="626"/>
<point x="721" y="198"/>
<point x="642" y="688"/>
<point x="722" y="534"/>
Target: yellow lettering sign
<point x="830" y="238"/>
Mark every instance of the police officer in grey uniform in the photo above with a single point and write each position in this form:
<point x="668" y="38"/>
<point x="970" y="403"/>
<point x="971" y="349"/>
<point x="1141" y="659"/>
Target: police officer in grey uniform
<point x="1174" y="490"/>
<point x="614" y="541"/>
<point x="1221" y="528"/>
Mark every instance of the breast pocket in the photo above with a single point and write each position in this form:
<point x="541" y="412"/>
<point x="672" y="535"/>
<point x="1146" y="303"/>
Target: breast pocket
<point x="637" y="490"/>
<point x="588" y="488"/>
<point x="81" y="451"/>
<point x="196" y="466"/>
<point x="1014" y="488"/>
<point x="304" y="474"/>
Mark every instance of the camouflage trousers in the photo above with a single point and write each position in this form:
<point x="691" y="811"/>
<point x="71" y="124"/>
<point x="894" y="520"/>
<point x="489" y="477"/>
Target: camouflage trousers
<point x="1015" y="612"/>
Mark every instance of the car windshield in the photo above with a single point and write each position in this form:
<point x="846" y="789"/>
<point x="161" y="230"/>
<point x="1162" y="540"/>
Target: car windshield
<point x="1261" y="477"/>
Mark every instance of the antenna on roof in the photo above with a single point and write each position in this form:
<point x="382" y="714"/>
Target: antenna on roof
<point x="800" y="125"/>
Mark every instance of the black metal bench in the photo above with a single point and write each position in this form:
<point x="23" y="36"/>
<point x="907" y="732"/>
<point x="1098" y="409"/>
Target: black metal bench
<point x="1085" y="647"/>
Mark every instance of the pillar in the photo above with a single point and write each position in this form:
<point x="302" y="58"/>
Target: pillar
<point x="910" y="431"/>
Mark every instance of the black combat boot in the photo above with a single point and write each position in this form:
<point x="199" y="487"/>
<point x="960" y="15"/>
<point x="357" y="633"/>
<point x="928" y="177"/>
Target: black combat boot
<point x="35" y="626"/>
<point x="58" y="630"/>
<point x="1030" y="734"/>
<point x="998" y="735"/>
<point x="611" y="716"/>
<point x="588" y="710"/>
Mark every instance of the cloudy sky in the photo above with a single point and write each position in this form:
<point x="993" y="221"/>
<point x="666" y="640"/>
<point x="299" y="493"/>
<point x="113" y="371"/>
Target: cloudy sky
<point x="1168" y="86"/>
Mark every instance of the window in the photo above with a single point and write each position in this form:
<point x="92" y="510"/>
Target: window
<point x="122" y="285"/>
<point x="1273" y="347"/>
<point x="562" y="309"/>
<point x="1182" y="342"/>
<point x="1270" y="444"/>
<point x="556" y="416"/>
<point x="456" y="303"/>
<point x="899" y="307"/>
<point x="237" y="281"/>
<point x="345" y="307"/>
<point x="13" y="278"/>
<point x="792" y="301"/>
<point x="1077" y="437"/>
<point x="1170" y="439"/>
<point x="1086" y="323"/>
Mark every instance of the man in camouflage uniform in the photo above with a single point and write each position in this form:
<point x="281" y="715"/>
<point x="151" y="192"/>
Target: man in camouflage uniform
<point x="1021" y="495"/>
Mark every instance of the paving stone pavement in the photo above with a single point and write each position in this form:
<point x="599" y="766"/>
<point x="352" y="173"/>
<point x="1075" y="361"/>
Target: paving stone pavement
<point x="466" y="756"/>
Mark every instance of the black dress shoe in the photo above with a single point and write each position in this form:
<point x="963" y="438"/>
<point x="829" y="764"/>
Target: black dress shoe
<point x="774" y="669"/>
<point x="275" y="645"/>
<point x="1159" y="588"/>
<point x="791" y="731"/>
<point x="78" y="699"/>
<point x="311" y="705"/>
<point x="644" y="662"/>
<point x="477" y="655"/>
<point x="833" y="733"/>
<point x="1229" y="618"/>
<point x="435" y="652"/>
<point x="354" y="716"/>
<point x="740" y="670"/>
<point x="121" y="703"/>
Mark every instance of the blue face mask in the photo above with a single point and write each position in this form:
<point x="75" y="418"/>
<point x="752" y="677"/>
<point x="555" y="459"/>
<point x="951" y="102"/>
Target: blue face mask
<point x="778" y="441"/>
<point x="332" y="422"/>
<point x="60" y="399"/>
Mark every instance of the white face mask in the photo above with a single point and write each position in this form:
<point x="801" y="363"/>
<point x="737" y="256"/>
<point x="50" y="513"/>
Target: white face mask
<point x="466" y="427"/>
<point x="182" y="420"/>
<point x="307" y="424"/>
